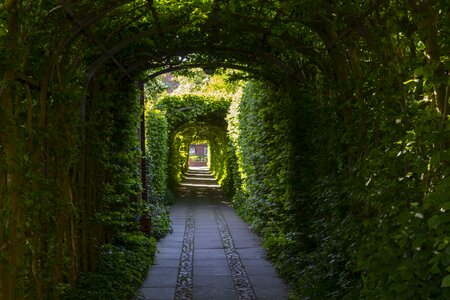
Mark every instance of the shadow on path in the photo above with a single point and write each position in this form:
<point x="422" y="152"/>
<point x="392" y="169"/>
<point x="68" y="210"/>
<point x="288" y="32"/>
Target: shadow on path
<point x="212" y="253"/>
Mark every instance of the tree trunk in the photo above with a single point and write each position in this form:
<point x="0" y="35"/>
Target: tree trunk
<point x="10" y="178"/>
<point x="358" y="94"/>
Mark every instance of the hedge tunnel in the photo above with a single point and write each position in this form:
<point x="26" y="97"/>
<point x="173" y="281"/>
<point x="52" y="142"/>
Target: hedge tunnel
<point x="193" y="118"/>
<point x="337" y="151"/>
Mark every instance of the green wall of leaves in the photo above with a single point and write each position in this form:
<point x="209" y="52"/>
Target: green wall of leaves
<point x="339" y="226"/>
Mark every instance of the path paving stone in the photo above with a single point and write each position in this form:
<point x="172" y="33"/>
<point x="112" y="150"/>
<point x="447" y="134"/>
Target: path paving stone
<point x="211" y="253"/>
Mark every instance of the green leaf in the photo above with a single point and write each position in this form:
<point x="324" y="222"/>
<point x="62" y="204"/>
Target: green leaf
<point x="419" y="71"/>
<point x="435" y="270"/>
<point x="434" y="221"/>
<point x="419" y="241"/>
<point x="3" y="30"/>
<point x="410" y="81"/>
<point x="419" y="215"/>
<point x="404" y="217"/>
<point x="446" y="282"/>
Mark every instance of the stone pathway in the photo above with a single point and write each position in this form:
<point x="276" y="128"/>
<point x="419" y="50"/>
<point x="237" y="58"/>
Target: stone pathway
<point x="211" y="254"/>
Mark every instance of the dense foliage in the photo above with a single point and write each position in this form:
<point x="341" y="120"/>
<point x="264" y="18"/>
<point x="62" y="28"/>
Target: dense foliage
<point x="157" y="161"/>
<point x="120" y="269"/>
<point x="346" y="176"/>
<point x="263" y="152"/>
<point x="69" y="181"/>
<point x="288" y="199"/>
<point x="370" y="231"/>
<point x="157" y="158"/>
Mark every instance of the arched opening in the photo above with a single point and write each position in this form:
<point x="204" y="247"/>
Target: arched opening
<point x="198" y="154"/>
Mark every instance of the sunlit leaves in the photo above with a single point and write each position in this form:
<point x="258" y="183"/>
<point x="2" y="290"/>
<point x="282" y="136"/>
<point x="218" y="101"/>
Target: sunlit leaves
<point x="262" y="151"/>
<point x="157" y="155"/>
<point x="446" y="282"/>
<point x="190" y="108"/>
<point x="195" y="81"/>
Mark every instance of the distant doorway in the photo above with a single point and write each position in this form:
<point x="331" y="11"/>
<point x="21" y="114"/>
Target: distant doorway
<point x="198" y="155"/>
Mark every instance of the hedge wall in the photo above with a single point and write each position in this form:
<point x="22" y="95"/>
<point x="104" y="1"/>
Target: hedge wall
<point x="157" y="157"/>
<point x="339" y="226"/>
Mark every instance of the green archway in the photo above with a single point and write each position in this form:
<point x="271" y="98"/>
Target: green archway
<point x="192" y="118"/>
<point x="357" y="90"/>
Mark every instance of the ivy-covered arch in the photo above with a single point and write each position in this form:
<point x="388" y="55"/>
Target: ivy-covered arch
<point x="192" y="118"/>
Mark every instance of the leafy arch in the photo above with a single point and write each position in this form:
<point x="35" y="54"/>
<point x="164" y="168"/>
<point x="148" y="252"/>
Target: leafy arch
<point x="191" y="118"/>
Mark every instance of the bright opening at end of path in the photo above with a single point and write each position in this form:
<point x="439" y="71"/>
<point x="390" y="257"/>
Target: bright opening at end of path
<point x="198" y="181"/>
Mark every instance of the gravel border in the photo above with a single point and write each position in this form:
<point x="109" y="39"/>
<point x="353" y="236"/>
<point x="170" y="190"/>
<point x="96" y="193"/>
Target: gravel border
<point x="240" y="278"/>
<point x="184" y="287"/>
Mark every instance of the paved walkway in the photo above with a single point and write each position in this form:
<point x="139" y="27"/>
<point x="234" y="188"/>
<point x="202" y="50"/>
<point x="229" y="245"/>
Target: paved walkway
<point x="211" y="254"/>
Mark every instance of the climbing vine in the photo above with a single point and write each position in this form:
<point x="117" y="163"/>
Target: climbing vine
<point x="157" y="161"/>
<point x="337" y="153"/>
<point x="157" y="154"/>
<point x="263" y="153"/>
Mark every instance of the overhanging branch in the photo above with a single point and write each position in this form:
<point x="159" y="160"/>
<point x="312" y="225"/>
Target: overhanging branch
<point x="99" y="43"/>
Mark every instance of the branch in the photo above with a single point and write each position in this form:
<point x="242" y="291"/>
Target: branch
<point x="121" y="45"/>
<point x="91" y="20"/>
<point x="156" y="18"/>
<point x="27" y="80"/>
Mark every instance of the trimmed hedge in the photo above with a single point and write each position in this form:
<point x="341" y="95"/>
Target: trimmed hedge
<point x="157" y="155"/>
<point x="377" y="230"/>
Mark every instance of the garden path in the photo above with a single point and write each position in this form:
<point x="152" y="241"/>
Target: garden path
<point x="211" y="253"/>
